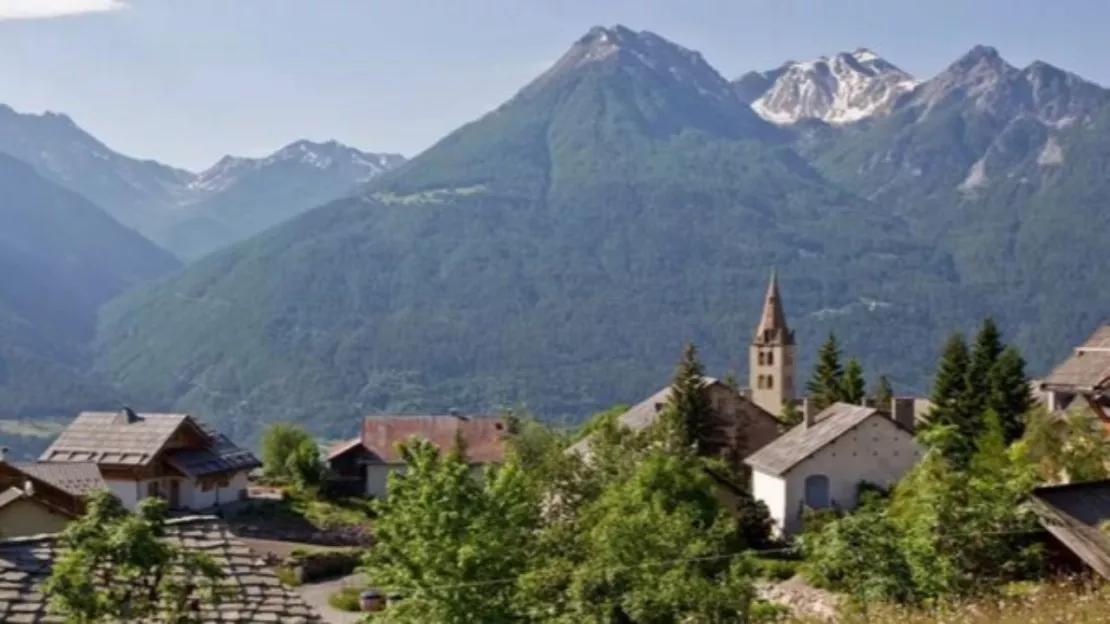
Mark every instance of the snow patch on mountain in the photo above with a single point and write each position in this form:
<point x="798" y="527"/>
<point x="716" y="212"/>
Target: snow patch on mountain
<point x="843" y="89"/>
<point x="230" y="169"/>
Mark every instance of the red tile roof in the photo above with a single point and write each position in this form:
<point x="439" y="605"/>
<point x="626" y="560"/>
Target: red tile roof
<point x="484" y="436"/>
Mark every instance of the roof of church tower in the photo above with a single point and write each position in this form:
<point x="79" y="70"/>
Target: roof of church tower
<point x="772" y="328"/>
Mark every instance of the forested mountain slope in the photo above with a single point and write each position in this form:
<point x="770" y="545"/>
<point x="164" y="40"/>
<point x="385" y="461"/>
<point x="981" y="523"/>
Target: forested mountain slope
<point x="556" y="252"/>
<point x="61" y="257"/>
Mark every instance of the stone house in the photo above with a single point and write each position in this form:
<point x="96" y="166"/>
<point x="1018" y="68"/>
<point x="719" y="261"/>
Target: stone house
<point x="364" y="463"/>
<point x="741" y="426"/>
<point x="1085" y="375"/>
<point x="821" y="462"/>
<point x="43" y="498"/>
<point x="174" y="456"/>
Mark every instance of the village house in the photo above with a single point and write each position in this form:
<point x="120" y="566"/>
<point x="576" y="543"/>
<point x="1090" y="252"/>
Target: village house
<point x="251" y="590"/>
<point x="821" y="462"/>
<point x="1085" y="375"/>
<point x="746" y="419"/>
<point x="174" y="456"/>
<point x="363" y="464"/>
<point x="741" y="425"/>
<point x="43" y="498"/>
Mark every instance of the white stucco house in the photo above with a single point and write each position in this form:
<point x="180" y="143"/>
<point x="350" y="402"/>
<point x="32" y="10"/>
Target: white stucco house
<point x="173" y="456"/>
<point x="821" y="462"/>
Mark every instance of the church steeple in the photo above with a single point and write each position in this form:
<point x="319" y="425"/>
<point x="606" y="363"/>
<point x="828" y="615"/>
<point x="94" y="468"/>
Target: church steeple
<point x="771" y="355"/>
<point x="772" y="328"/>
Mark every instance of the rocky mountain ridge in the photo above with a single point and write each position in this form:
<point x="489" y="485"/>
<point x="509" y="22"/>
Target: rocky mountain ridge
<point x="174" y="207"/>
<point x="845" y="88"/>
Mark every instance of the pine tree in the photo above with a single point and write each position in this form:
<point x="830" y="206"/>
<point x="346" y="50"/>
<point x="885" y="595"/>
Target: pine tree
<point x="852" y="385"/>
<point x="791" y="416"/>
<point x="1009" y="395"/>
<point x="824" y="387"/>
<point x="988" y="347"/>
<point x="690" y="402"/>
<point x="884" y="394"/>
<point x="949" y="400"/>
<point x="730" y="380"/>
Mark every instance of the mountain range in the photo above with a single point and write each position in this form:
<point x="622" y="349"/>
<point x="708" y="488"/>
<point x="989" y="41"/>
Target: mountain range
<point x="558" y="251"/>
<point x="188" y="213"/>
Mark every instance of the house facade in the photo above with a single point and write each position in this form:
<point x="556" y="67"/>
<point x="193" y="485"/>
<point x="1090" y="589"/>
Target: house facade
<point x="741" y="426"/>
<point x="365" y="463"/>
<point x="173" y="456"/>
<point x="43" y="499"/>
<point x="820" y="463"/>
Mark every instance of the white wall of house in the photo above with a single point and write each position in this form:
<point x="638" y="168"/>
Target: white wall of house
<point x="129" y="492"/>
<point x="191" y="494"/>
<point x="772" y="491"/>
<point x="876" y="451"/>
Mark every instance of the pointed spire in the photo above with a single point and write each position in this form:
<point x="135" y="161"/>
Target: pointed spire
<point x="772" y="323"/>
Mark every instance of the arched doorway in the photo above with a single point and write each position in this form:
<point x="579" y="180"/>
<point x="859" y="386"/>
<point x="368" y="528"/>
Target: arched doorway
<point x="817" y="491"/>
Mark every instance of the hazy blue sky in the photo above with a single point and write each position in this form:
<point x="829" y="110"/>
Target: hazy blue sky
<point x="187" y="81"/>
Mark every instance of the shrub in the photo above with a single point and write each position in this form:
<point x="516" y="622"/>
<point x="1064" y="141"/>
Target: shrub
<point x="346" y="599"/>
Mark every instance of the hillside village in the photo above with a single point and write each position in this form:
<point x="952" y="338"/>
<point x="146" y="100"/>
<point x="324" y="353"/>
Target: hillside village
<point x="800" y="469"/>
<point x="495" y="381"/>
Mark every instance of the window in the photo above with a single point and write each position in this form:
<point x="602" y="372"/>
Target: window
<point x="759" y="382"/>
<point x="770" y="358"/>
<point x="152" y="488"/>
<point x="770" y="381"/>
<point x="817" y="491"/>
<point x="761" y="360"/>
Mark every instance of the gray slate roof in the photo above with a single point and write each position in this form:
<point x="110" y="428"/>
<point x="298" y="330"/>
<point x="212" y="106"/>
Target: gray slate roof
<point x="111" y="438"/>
<point x="106" y="438"/>
<point x="1089" y="365"/>
<point x="254" y="593"/>
<point x="78" y="479"/>
<point x="10" y="495"/>
<point x="639" y="416"/>
<point x="798" y="444"/>
<point x="222" y="456"/>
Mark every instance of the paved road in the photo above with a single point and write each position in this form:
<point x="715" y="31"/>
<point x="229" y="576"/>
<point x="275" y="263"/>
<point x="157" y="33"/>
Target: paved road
<point x="316" y="595"/>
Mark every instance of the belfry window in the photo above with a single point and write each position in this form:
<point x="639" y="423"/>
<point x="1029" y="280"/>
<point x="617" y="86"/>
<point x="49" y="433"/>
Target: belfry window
<point x="770" y="358"/>
<point x="770" y="381"/>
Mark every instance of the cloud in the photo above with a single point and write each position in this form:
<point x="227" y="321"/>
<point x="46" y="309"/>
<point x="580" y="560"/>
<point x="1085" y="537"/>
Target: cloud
<point x="46" y="9"/>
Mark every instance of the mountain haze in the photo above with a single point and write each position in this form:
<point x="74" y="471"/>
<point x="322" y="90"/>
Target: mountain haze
<point x="61" y="257"/>
<point x="189" y="213"/>
<point x="557" y="252"/>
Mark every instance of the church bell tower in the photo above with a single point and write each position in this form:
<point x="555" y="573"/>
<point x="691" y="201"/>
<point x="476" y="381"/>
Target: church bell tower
<point x="771" y="359"/>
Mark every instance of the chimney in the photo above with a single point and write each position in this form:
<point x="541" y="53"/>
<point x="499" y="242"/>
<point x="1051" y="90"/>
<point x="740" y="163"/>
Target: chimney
<point x="28" y="488"/>
<point x="902" y="412"/>
<point x="809" y="409"/>
<point x="4" y="454"/>
<point x="128" y="416"/>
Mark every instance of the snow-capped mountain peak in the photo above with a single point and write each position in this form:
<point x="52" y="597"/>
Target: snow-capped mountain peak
<point x="840" y="89"/>
<point x="306" y="154"/>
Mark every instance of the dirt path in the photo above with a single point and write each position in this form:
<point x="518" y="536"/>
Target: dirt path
<point x="316" y="595"/>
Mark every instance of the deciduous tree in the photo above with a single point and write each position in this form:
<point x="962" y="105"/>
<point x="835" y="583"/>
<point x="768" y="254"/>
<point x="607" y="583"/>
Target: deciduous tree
<point x="116" y="566"/>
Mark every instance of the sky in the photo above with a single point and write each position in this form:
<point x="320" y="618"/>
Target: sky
<point x="186" y="82"/>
